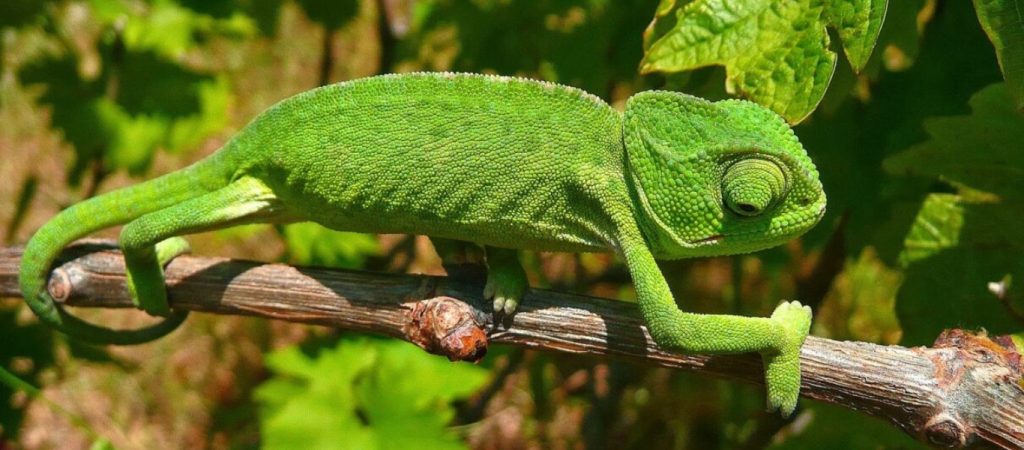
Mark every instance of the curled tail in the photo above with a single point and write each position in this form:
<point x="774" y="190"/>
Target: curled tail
<point x="97" y="213"/>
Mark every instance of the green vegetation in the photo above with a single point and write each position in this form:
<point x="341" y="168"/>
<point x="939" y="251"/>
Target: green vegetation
<point x="913" y="111"/>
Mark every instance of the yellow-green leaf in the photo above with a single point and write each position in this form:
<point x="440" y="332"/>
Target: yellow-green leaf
<point x="775" y="52"/>
<point x="1003" y="21"/>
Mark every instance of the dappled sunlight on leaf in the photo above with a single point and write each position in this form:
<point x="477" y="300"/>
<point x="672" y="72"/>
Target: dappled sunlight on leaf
<point x="960" y="243"/>
<point x="777" y="53"/>
<point x="364" y="394"/>
<point x="312" y="244"/>
<point x="1003" y="20"/>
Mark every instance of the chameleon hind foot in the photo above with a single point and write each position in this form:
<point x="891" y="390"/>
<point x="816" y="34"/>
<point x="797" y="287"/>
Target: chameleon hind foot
<point x="171" y="248"/>
<point x="782" y="368"/>
<point x="154" y="301"/>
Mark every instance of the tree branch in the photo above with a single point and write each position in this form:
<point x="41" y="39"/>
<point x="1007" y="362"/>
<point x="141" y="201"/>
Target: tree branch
<point x="966" y="391"/>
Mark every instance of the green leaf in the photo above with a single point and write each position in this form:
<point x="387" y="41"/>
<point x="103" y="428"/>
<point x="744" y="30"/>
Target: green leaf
<point x="777" y="53"/>
<point x="16" y="13"/>
<point x="1018" y="341"/>
<point x="407" y="397"/>
<point x="312" y="244"/>
<point x="170" y="29"/>
<point x="899" y="40"/>
<point x="590" y="44"/>
<point x="950" y="290"/>
<point x="936" y="228"/>
<point x="142" y="98"/>
<point x="30" y="345"/>
<point x="836" y="428"/>
<point x="363" y="394"/>
<point x="311" y="403"/>
<point x="858" y="23"/>
<point x="960" y="243"/>
<point x="1003" y="21"/>
<point x="332" y="14"/>
<point x="850" y="144"/>
<point x="981" y="151"/>
<point x="132" y="139"/>
<point x="102" y="444"/>
<point x="158" y="104"/>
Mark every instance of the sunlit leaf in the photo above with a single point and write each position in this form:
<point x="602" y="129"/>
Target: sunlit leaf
<point x="155" y="104"/>
<point x="777" y="53"/>
<point x="589" y="44"/>
<point x="168" y="28"/>
<point x="850" y="144"/>
<point x="312" y="244"/>
<point x="1003" y="21"/>
<point x="363" y="394"/>
<point x="960" y="243"/>
<point x="936" y="228"/>
<point x="30" y="345"/>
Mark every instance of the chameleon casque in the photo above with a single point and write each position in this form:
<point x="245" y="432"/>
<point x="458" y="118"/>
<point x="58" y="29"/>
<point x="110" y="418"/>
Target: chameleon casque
<point x="492" y="163"/>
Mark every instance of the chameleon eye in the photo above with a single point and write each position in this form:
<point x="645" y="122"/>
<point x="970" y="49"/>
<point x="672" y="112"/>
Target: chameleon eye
<point x="751" y="186"/>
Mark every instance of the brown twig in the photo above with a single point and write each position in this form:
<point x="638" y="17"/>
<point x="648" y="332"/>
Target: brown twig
<point x="966" y="391"/>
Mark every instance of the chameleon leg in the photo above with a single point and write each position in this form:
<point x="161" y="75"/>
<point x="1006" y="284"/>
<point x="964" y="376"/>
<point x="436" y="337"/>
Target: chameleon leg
<point x="166" y="250"/>
<point x="778" y="338"/>
<point x="506" y="279"/>
<point x="147" y="242"/>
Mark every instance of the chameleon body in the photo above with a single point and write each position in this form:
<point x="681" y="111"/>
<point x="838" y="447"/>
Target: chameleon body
<point x="491" y="164"/>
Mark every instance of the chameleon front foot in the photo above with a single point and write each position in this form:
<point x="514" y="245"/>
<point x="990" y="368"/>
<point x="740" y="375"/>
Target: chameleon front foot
<point x="782" y="367"/>
<point x="505" y="289"/>
<point x="506" y="280"/>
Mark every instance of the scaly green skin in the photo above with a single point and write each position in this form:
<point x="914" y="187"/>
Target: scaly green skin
<point x="494" y="162"/>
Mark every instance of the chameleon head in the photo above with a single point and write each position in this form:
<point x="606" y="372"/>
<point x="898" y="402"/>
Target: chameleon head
<point x="716" y="178"/>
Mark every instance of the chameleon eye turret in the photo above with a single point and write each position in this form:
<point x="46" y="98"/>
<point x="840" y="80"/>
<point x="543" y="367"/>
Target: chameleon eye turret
<point x="751" y="186"/>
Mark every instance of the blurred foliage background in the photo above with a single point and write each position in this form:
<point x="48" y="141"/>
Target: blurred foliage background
<point x="911" y="110"/>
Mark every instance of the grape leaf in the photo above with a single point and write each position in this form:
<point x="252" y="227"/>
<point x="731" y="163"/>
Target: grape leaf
<point x="312" y="244"/>
<point x="589" y="44"/>
<point x="16" y="13"/>
<point x="170" y="29"/>
<point x="829" y="426"/>
<point x="981" y="151"/>
<point x="363" y="394"/>
<point x="1003" y="21"/>
<point x="950" y="289"/>
<point x="777" y="53"/>
<point x="849" y="144"/>
<point x="31" y="344"/>
<point x="960" y="243"/>
<point x="158" y="104"/>
<point x="332" y="14"/>
<point x="936" y="228"/>
<point x="142" y="98"/>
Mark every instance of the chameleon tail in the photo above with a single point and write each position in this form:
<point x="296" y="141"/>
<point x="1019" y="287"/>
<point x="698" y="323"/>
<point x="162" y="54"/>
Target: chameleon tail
<point x="97" y="213"/>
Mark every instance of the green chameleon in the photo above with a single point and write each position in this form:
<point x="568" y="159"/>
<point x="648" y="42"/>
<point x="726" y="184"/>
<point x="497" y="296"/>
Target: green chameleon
<point x="491" y="164"/>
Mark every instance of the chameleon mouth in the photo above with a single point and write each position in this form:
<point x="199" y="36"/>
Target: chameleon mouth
<point x="708" y="240"/>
